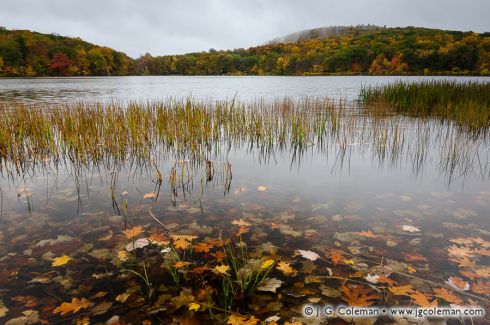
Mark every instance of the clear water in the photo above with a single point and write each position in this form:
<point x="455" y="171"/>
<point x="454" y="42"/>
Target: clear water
<point x="316" y="201"/>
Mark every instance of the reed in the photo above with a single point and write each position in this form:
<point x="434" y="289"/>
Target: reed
<point x="466" y="103"/>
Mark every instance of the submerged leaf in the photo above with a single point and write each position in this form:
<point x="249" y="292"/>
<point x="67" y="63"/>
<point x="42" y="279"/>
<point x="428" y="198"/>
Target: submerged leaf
<point x="74" y="306"/>
<point x="62" y="260"/>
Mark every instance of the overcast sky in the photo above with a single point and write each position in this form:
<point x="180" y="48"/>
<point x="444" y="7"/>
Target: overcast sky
<point x="180" y="26"/>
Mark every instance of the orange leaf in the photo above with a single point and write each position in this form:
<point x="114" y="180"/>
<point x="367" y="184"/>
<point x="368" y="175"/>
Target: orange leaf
<point x="336" y="256"/>
<point x="74" y="306"/>
<point x="405" y="290"/>
<point x="447" y="295"/>
<point x="422" y="299"/>
<point x="242" y="230"/>
<point x="481" y="287"/>
<point x="202" y="247"/>
<point x="133" y="232"/>
<point x="368" y="234"/>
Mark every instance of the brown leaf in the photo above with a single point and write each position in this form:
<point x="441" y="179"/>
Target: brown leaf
<point x="357" y="295"/>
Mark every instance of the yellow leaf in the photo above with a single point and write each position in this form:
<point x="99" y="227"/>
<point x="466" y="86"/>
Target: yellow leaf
<point x="261" y="188"/>
<point x="62" y="260"/>
<point x="74" y="306"/>
<point x="221" y="269"/>
<point x="266" y="264"/>
<point x="194" y="306"/>
<point x="285" y="268"/>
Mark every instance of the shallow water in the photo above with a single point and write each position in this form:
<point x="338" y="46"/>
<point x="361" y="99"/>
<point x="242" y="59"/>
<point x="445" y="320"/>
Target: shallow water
<point x="377" y="207"/>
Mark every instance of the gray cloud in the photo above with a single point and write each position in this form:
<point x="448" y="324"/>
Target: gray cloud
<point x="180" y="26"/>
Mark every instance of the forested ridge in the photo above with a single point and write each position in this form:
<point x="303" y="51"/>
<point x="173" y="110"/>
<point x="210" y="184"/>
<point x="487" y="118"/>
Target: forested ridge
<point x="341" y="50"/>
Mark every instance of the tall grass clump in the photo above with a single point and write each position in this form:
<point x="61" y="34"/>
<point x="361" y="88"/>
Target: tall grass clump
<point x="466" y="103"/>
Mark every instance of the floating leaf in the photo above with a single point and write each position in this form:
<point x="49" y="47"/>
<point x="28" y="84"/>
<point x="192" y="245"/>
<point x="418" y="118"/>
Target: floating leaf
<point x="457" y="283"/>
<point x="62" y="260"/>
<point x="74" y="306"/>
<point x="312" y="256"/>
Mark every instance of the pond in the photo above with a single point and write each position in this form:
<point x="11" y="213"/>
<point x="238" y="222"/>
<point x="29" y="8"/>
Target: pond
<point x="376" y="212"/>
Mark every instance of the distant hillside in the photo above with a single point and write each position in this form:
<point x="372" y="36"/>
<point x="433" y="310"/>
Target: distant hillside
<point x="324" y="32"/>
<point x="341" y="50"/>
<point x="31" y="54"/>
<point x="364" y="49"/>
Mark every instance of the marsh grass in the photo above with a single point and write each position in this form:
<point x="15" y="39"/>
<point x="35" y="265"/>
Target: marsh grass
<point x="466" y="103"/>
<point x="194" y="134"/>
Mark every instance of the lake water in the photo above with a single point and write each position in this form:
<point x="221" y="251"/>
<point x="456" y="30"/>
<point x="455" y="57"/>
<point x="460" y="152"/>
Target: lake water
<point x="54" y="90"/>
<point x="416" y="214"/>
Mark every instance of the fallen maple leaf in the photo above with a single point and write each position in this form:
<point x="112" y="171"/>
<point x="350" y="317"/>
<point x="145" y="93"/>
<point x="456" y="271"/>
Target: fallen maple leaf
<point x="422" y="299"/>
<point x="74" y="306"/>
<point x="240" y="320"/>
<point x="481" y="287"/>
<point x="133" y="232"/>
<point x="447" y="295"/>
<point x="457" y="283"/>
<point x="285" y="268"/>
<point x="336" y="256"/>
<point x="312" y="256"/>
<point x="202" y="247"/>
<point x="62" y="260"/>
<point x="358" y="296"/>
<point x="221" y="269"/>
<point x="404" y="290"/>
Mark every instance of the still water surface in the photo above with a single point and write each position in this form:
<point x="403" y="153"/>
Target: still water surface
<point x="319" y="201"/>
<point x="210" y="87"/>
